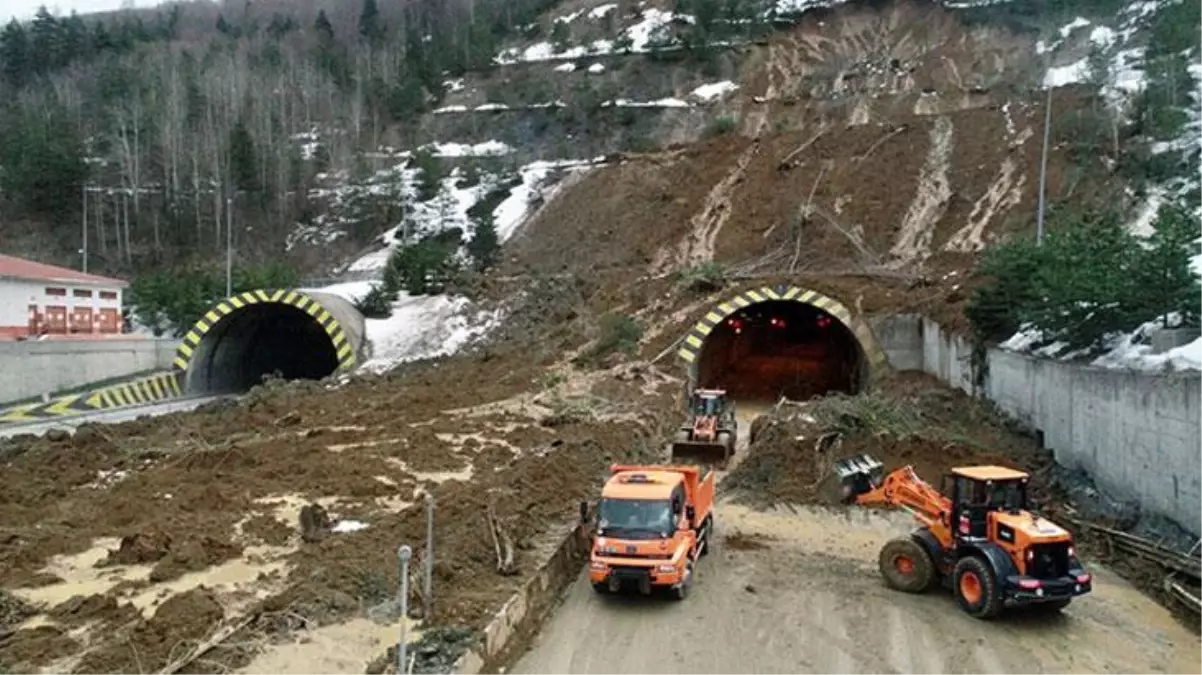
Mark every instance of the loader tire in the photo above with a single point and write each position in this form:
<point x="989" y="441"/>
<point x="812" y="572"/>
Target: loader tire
<point x="906" y="565"/>
<point x="976" y="588"/>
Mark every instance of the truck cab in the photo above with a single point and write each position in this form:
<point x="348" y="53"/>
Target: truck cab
<point x="650" y="526"/>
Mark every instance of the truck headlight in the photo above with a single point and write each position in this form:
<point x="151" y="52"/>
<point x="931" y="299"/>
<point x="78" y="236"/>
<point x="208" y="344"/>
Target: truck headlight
<point x="597" y="565"/>
<point x="666" y="569"/>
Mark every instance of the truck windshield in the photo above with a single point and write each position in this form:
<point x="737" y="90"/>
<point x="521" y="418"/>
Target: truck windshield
<point x="635" y="518"/>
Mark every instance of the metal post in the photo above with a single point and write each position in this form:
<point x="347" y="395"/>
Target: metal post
<point x="1043" y="167"/>
<point x="229" y="246"/>
<point x="404" y="553"/>
<point x="85" y="228"/>
<point x="428" y="581"/>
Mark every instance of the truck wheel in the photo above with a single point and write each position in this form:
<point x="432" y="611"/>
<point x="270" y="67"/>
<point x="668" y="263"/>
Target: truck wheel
<point x="600" y="588"/>
<point x="906" y="565"/>
<point x="976" y="588"/>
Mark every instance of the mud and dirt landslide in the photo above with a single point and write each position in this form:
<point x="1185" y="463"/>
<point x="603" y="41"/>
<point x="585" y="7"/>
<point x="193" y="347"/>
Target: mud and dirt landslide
<point x="177" y="541"/>
<point x="798" y="590"/>
<point x="908" y="418"/>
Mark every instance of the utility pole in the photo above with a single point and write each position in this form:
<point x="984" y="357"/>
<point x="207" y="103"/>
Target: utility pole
<point x="1043" y="167"/>
<point x="229" y="246"/>
<point x="85" y="228"/>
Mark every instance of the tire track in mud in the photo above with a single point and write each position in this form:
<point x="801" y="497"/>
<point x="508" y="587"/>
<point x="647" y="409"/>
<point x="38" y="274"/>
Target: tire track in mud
<point x="930" y="201"/>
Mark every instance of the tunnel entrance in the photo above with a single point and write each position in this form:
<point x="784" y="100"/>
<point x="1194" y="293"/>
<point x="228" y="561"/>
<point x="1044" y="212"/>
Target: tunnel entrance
<point x="236" y="352"/>
<point x="766" y="350"/>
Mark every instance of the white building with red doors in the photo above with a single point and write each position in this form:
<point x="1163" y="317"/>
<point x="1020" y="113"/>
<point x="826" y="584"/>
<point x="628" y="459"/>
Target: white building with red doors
<point x="39" y="299"/>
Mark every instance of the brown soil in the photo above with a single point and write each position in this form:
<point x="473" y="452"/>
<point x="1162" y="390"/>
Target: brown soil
<point x="791" y="459"/>
<point x="268" y="530"/>
<point x="179" y="624"/>
<point x="739" y="541"/>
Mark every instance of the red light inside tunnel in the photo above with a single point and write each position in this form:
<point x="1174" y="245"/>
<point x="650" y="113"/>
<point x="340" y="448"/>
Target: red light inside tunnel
<point x="823" y="321"/>
<point x="777" y="322"/>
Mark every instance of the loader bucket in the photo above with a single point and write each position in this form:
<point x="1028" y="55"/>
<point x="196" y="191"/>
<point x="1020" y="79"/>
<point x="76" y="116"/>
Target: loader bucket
<point x="858" y="475"/>
<point x="706" y="453"/>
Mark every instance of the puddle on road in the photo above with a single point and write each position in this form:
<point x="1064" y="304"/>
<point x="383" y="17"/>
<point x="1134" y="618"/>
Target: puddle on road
<point x="340" y="648"/>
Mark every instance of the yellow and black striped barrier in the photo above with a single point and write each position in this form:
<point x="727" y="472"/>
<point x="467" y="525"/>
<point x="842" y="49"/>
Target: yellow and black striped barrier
<point x="694" y="340"/>
<point x="346" y="352"/>
<point x="162" y="386"/>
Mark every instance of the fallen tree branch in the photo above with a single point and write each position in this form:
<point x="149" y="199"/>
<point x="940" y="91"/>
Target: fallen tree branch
<point x="788" y="162"/>
<point x="502" y="544"/>
<point x="880" y="141"/>
<point x="1183" y="595"/>
<point x="1129" y="543"/>
<point x="218" y="636"/>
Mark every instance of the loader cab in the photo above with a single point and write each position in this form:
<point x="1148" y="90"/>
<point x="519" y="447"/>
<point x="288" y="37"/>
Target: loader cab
<point x="708" y="403"/>
<point x="977" y="490"/>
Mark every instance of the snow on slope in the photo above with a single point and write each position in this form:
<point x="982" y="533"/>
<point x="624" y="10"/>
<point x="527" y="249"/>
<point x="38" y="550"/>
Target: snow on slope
<point x="430" y="326"/>
<point x="1123" y="79"/>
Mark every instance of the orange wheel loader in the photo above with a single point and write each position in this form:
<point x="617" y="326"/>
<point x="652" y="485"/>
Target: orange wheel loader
<point x="710" y="434"/>
<point x="976" y="536"/>
<point x="650" y="527"/>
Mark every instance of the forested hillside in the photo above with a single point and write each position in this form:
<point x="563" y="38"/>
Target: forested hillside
<point x="160" y="120"/>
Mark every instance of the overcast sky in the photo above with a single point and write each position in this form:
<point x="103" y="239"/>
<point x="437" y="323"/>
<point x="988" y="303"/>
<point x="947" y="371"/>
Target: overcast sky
<point x="24" y="9"/>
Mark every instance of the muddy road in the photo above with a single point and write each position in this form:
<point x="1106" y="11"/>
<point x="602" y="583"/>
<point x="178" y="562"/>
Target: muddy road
<point x="785" y="592"/>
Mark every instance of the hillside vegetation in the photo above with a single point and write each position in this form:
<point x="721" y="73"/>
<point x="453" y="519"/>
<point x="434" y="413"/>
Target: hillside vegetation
<point x="314" y="129"/>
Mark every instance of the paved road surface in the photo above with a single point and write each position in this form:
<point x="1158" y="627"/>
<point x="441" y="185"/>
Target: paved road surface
<point x="812" y="601"/>
<point x="104" y="417"/>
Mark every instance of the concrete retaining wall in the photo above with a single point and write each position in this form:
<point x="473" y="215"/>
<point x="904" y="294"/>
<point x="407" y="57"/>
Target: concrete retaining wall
<point x="508" y="634"/>
<point x="33" y="368"/>
<point x="1138" y="434"/>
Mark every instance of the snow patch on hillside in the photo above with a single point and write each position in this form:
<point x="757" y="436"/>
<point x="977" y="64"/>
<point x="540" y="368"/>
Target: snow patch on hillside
<point x="711" y="92"/>
<point x="639" y="35"/>
<point x="424" y="327"/>
<point x="1130" y="351"/>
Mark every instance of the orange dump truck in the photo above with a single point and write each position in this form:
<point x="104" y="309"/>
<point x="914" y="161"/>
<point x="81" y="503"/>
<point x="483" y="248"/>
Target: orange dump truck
<point x="650" y="527"/>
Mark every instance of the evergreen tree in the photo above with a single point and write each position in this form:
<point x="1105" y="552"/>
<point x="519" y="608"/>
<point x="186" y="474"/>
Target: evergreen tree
<point x="41" y="161"/>
<point x="244" y="166"/>
<point x="371" y="26"/>
<point x="46" y="41"/>
<point x="323" y="27"/>
<point x="15" y="55"/>
<point x="485" y="245"/>
<point x="1163" y="275"/>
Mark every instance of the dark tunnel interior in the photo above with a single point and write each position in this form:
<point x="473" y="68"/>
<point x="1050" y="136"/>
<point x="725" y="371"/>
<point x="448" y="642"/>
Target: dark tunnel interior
<point x="781" y="348"/>
<point x="260" y="340"/>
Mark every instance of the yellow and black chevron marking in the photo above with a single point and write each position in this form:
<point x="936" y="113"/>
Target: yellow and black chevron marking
<point x="346" y="353"/>
<point x="158" y="387"/>
<point x="690" y="347"/>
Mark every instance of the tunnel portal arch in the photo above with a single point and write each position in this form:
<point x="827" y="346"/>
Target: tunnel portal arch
<point x="302" y="334"/>
<point x="692" y="347"/>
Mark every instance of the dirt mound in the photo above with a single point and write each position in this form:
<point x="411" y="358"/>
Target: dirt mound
<point x="177" y="625"/>
<point x="906" y="422"/>
<point x="193" y="555"/>
<point x="267" y="530"/>
<point x="13" y="610"/>
<point x="139" y="549"/>
<point x="43" y="644"/>
<point x="80" y="609"/>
